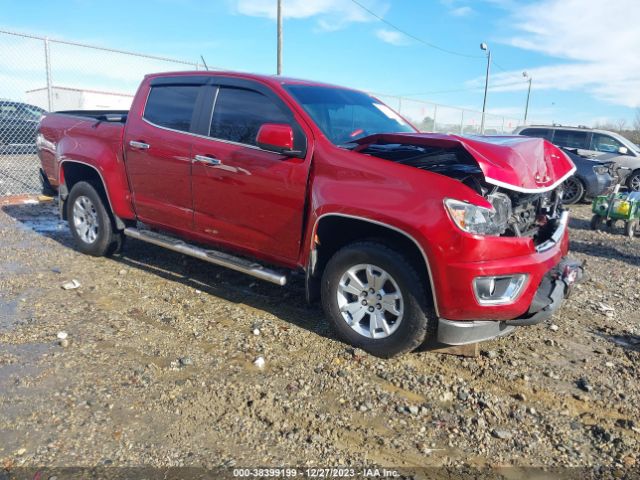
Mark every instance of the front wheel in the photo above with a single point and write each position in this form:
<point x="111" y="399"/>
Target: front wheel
<point x="573" y="191"/>
<point x="90" y="222"/>
<point x="633" y="182"/>
<point x="375" y="300"/>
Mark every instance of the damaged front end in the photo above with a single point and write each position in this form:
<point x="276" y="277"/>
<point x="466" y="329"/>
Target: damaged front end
<point x="526" y="196"/>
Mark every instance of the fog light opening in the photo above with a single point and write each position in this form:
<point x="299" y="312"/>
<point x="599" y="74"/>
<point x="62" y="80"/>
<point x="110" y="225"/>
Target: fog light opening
<point x="497" y="290"/>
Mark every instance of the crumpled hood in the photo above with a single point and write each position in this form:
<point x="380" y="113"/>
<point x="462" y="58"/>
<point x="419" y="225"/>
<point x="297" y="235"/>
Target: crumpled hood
<point x="519" y="163"/>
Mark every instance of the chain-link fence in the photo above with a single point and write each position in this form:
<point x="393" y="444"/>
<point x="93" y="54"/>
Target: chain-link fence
<point x="39" y="74"/>
<point x="434" y="117"/>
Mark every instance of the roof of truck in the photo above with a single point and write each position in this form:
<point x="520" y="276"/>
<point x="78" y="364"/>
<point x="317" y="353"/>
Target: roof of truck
<point x="270" y="79"/>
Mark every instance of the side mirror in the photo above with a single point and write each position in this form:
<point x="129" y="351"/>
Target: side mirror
<point x="623" y="150"/>
<point x="277" y="137"/>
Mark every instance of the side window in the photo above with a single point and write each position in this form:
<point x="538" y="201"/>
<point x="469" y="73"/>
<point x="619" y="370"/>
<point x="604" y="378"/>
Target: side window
<point x="172" y="106"/>
<point x="537" y="132"/>
<point x="605" y="143"/>
<point x="571" y="139"/>
<point x="239" y="113"/>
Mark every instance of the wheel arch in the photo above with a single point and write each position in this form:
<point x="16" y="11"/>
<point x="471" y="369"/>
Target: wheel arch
<point x="333" y="231"/>
<point x="74" y="171"/>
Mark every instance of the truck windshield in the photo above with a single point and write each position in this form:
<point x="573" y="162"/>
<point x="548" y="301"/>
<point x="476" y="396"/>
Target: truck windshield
<point x="346" y="115"/>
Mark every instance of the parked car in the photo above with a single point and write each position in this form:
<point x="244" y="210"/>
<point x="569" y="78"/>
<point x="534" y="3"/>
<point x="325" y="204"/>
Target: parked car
<point x="598" y="144"/>
<point x="403" y="236"/>
<point x="592" y="178"/>
<point x="18" y="126"/>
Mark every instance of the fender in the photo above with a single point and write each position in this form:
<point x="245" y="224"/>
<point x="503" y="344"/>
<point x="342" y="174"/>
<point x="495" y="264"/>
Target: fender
<point x="96" y="154"/>
<point x="390" y="227"/>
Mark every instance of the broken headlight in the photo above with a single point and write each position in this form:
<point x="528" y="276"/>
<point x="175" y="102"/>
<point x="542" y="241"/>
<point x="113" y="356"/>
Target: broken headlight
<point x="480" y="220"/>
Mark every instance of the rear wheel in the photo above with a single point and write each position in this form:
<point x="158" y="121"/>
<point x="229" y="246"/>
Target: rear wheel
<point x="573" y="191"/>
<point x="631" y="227"/>
<point x="90" y="222"/>
<point x="375" y="300"/>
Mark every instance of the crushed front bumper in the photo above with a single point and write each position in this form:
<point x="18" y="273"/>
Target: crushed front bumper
<point x="554" y="288"/>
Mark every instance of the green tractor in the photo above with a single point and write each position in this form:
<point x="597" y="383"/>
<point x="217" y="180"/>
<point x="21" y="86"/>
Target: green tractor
<point x="616" y="206"/>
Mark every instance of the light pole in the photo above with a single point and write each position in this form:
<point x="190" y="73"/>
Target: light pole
<point x="526" y="108"/>
<point x="485" y="47"/>
<point x="279" y="67"/>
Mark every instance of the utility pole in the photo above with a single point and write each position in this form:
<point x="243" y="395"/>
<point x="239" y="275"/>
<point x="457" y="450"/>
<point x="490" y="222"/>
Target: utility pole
<point x="526" y="108"/>
<point x="485" y="47"/>
<point x="279" y="69"/>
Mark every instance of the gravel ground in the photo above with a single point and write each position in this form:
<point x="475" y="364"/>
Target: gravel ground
<point x="157" y="369"/>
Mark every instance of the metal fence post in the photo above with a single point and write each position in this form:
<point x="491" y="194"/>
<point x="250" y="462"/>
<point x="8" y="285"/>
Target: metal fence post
<point x="435" y="115"/>
<point x="47" y="62"/>
<point x="461" y="122"/>
<point x="502" y="125"/>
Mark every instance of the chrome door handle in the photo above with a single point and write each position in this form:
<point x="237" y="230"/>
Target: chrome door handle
<point x="140" y="145"/>
<point x="206" y="160"/>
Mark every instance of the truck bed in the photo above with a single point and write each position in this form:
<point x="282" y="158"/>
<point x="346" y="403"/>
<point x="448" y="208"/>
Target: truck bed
<point x="119" y="116"/>
<point x="97" y="131"/>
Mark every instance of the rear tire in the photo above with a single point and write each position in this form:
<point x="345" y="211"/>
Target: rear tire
<point x="91" y="223"/>
<point x="369" y="282"/>
<point x="573" y="191"/>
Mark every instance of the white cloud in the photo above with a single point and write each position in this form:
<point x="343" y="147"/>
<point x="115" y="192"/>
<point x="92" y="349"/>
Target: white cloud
<point x="597" y="41"/>
<point x="392" y="36"/>
<point x="461" y="11"/>
<point x="330" y="14"/>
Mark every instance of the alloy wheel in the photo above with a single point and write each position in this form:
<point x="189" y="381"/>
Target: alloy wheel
<point x="370" y="301"/>
<point x="85" y="219"/>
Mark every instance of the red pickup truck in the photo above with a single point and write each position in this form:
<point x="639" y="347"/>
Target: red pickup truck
<point x="403" y="236"/>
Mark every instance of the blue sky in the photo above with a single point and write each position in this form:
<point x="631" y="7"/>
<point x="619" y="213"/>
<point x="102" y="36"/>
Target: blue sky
<point x="580" y="74"/>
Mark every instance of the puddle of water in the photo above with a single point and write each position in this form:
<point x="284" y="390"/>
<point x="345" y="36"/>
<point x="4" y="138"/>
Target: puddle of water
<point x="10" y="268"/>
<point x="27" y="357"/>
<point x="626" y="341"/>
<point x="8" y="314"/>
<point x="45" y="225"/>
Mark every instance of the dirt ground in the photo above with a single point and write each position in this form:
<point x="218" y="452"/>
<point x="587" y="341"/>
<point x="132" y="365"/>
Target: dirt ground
<point x="158" y="369"/>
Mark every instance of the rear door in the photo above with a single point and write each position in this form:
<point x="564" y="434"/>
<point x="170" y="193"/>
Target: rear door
<point x="158" y="152"/>
<point x="545" y="133"/>
<point x="578" y="139"/>
<point x="243" y="196"/>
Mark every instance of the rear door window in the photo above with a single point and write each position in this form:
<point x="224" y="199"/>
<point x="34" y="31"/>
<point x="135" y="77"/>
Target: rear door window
<point x="571" y="139"/>
<point x="537" y="132"/>
<point x="239" y="113"/>
<point x="172" y="106"/>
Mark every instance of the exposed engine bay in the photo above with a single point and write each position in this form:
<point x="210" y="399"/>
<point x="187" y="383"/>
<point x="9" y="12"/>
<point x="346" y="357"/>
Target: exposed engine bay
<point x="519" y="214"/>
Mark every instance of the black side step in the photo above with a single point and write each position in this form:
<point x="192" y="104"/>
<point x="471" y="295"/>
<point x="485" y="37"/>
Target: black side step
<point x="212" y="256"/>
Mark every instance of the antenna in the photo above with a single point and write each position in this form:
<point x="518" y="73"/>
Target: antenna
<point x="204" y="62"/>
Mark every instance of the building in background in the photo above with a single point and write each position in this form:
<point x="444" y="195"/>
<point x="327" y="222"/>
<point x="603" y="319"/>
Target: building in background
<point x="66" y="98"/>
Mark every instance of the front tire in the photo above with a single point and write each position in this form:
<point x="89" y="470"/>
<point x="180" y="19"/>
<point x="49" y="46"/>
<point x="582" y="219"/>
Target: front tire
<point x="375" y="300"/>
<point x="90" y="222"/>
<point x="573" y="191"/>
<point x="633" y="181"/>
<point x="596" y="222"/>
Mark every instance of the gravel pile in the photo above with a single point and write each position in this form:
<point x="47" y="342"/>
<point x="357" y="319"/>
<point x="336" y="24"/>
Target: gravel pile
<point x="154" y="358"/>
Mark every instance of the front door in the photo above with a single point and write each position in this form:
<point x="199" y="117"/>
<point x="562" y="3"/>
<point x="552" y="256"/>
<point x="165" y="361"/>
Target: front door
<point x="244" y="196"/>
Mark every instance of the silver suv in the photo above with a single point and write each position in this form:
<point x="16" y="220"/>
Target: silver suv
<point x="600" y="145"/>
